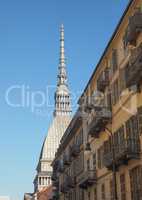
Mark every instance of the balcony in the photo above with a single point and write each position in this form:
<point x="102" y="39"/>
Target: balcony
<point x="88" y="179"/>
<point x="130" y="149"/>
<point x="99" y="121"/>
<point x="134" y="28"/>
<point x="75" y="150"/>
<point x="66" y="160"/>
<point x="103" y="81"/>
<point x="134" y="68"/>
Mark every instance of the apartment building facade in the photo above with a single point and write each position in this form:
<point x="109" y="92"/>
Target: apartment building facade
<point x="100" y="155"/>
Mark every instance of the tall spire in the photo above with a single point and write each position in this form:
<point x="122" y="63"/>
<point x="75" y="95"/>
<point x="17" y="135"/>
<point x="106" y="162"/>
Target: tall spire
<point x="62" y="94"/>
<point x="62" y="77"/>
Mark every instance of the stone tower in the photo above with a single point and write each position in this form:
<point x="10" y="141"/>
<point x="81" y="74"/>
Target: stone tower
<point x="61" y="119"/>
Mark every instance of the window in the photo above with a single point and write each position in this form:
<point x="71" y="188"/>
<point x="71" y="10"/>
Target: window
<point x="136" y="183"/>
<point x="103" y="192"/>
<point x="94" y="161"/>
<point x="79" y="138"/>
<point x="88" y="164"/>
<point x="109" y="101"/>
<point x="79" y="164"/>
<point x="114" y="60"/>
<point x="111" y="190"/>
<point x="123" y="187"/>
<point x="119" y="140"/>
<point x="89" y="195"/>
<point x="132" y="128"/>
<point x="115" y="92"/>
<point x="100" y="157"/>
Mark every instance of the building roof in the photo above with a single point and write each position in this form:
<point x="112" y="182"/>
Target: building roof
<point x="52" y="141"/>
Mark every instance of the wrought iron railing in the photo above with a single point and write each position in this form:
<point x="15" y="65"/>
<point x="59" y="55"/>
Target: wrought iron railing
<point x="134" y="28"/>
<point x="129" y="149"/>
<point x="99" y="121"/>
<point x="134" y="68"/>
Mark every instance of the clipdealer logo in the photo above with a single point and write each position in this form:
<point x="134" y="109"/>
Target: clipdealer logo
<point x="22" y="96"/>
<point x="37" y="101"/>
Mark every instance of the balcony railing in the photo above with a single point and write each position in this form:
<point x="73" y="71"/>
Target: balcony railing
<point x="88" y="179"/>
<point x="134" y="68"/>
<point x="130" y="149"/>
<point x="68" y="184"/>
<point x="103" y="81"/>
<point x="133" y="29"/>
<point x="75" y="150"/>
<point x="99" y="121"/>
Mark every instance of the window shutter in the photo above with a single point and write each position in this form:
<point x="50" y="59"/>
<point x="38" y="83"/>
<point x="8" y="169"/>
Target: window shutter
<point x="100" y="157"/>
<point x="116" y="140"/>
<point x="123" y="187"/>
<point x="95" y="193"/>
<point x="135" y="127"/>
<point x="114" y="60"/>
<point x="128" y="129"/>
<point x="102" y="153"/>
<point x="94" y="161"/>
<point x="109" y="101"/>
<point x="140" y="119"/>
<point x="111" y="189"/>
<point x="121" y="138"/>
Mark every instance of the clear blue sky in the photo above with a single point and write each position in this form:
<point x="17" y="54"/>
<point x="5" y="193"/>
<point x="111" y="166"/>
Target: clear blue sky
<point x="29" y="51"/>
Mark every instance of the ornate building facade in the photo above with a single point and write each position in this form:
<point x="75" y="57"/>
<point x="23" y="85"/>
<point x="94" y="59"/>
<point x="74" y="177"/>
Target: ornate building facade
<point x="100" y="155"/>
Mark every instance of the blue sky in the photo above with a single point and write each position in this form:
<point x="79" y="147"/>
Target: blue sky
<point x="29" y="53"/>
